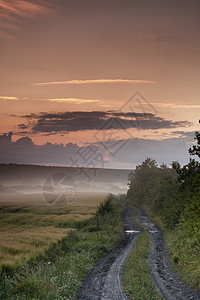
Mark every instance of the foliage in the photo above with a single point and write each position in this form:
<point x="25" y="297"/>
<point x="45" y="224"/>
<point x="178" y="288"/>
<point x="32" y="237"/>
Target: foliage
<point x="154" y="185"/>
<point x="173" y="194"/>
<point x="195" y="150"/>
<point x="106" y="206"/>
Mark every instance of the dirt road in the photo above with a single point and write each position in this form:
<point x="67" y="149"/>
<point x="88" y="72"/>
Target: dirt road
<point x="104" y="281"/>
<point x="167" y="283"/>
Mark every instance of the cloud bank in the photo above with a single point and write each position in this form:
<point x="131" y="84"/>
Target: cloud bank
<point x="95" y="120"/>
<point x="133" y="152"/>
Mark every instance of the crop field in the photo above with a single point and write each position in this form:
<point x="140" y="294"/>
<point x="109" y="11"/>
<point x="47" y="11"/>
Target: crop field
<point x="28" y="225"/>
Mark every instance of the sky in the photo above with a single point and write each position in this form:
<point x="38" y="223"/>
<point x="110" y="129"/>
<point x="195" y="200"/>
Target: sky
<point x="118" y="77"/>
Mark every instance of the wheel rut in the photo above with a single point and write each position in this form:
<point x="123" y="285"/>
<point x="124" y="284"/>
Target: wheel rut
<point x="104" y="281"/>
<point x="168" y="284"/>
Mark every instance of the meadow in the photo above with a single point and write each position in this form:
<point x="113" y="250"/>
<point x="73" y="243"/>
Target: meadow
<point x="29" y="226"/>
<point x="47" y="251"/>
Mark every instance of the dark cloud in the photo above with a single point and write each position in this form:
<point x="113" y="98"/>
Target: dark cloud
<point x="95" y="120"/>
<point x="164" y="151"/>
<point x="22" y="126"/>
<point x="184" y="133"/>
<point x="133" y="152"/>
<point x="25" y="151"/>
<point x="25" y="141"/>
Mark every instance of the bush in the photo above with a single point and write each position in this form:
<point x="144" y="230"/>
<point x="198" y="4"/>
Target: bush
<point x="106" y="206"/>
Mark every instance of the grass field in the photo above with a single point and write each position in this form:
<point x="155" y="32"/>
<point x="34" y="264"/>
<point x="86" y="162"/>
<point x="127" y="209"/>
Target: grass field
<point x="81" y="235"/>
<point x="28" y="225"/>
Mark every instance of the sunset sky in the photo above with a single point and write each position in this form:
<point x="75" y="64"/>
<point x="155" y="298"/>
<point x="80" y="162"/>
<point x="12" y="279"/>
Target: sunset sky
<point x="76" y="72"/>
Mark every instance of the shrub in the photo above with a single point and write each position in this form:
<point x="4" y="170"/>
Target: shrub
<point x="106" y="206"/>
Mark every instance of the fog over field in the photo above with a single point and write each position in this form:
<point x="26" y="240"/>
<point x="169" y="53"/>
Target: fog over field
<point x="29" y="179"/>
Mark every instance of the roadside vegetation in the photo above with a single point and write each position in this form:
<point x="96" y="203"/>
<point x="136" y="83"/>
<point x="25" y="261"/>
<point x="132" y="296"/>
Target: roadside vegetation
<point x="57" y="272"/>
<point x="172" y="197"/>
<point x="136" y="277"/>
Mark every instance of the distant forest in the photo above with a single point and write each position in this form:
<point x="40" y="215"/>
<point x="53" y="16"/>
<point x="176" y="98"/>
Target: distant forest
<point x="112" y="180"/>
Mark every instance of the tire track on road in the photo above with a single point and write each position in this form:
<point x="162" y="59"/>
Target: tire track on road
<point x="168" y="284"/>
<point x="104" y="282"/>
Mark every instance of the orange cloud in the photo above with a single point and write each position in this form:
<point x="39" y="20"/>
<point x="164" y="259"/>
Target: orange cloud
<point x="92" y="81"/>
<point x="8" y="98"/>
<point x="174" y="105"/>
<point x="77" y="100"/>
<point x="20" y="8"/>
<point x="12" y="10"/>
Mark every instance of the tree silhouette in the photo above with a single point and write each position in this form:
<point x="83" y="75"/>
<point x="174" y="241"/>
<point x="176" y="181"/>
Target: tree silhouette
<point x="195" y="150"/>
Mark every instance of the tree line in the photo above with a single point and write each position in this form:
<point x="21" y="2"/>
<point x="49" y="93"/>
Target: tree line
<point x="173" y="194"/>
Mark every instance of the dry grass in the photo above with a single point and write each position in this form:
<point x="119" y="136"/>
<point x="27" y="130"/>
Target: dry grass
<point x="28" y="225"/>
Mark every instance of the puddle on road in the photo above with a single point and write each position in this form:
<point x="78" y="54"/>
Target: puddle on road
<point x="132" y="231"/>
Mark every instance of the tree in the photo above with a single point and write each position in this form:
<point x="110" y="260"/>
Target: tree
<point x="188" y="171"/>
<point x="195" y="150"/>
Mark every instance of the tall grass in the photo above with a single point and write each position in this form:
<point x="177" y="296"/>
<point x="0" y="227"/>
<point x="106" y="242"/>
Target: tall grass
<point x="27" y="229"/>
<point x="57" y="273"/>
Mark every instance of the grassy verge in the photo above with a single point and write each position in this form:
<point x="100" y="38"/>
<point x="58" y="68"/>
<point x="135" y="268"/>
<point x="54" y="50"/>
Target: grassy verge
<point x="183" y="250"/>
<point x="136" y="275"/>
<point x="185" y="256"/>
<point x="57" y="273"/>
